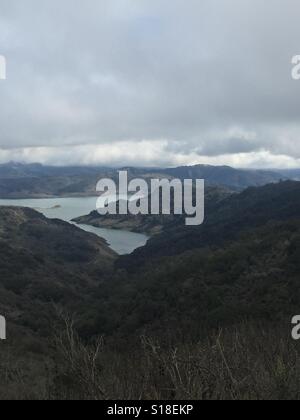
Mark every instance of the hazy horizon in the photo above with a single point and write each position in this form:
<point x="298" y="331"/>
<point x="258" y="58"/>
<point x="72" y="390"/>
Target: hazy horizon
<point x="143" y="166"/>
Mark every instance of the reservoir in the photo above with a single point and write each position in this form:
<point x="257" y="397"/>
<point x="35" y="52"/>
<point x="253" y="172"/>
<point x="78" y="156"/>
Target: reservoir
<point x="66" y="209"/>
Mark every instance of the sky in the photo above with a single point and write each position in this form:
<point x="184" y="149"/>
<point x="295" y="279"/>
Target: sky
<point x="150" y="82"/>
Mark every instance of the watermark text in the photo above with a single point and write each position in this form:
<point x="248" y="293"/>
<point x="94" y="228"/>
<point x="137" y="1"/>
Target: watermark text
<point x="152" y="197"/>
<point x="296" y="67"/>
<point x="2" y="67"/>
<point x="2" y="328"/>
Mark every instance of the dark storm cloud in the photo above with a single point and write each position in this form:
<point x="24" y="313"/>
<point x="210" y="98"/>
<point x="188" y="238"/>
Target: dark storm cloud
<point x="150" y="82"/>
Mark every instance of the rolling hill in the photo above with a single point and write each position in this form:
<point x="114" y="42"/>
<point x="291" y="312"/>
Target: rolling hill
<point x="239" y="213"/>
<point x="45" y="262"/>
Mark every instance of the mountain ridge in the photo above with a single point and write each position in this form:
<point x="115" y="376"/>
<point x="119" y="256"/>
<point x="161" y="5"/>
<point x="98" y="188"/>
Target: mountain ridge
<point x="38" y="181"/>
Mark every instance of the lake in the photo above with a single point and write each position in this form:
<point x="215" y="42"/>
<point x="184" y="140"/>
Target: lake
<point x="66" y="209"/>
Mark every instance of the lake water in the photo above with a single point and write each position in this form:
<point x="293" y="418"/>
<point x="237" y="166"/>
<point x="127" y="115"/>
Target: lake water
<point x="69" y="208"/>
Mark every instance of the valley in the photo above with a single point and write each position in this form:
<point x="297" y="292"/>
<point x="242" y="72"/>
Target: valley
<point x="229" y="283"/>
<point x="66" y="209"/>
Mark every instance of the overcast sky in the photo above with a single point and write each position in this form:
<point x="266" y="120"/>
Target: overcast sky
<point x="150" y="82"/>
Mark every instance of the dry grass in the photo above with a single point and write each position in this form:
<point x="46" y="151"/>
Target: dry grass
<point x="244" y="363"/>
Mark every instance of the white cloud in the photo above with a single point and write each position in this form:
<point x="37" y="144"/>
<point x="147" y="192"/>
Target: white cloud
<point x="146" y="153"/>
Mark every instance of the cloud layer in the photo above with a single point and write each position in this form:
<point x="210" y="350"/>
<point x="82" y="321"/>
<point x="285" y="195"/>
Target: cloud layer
<point x="150" y="82"/>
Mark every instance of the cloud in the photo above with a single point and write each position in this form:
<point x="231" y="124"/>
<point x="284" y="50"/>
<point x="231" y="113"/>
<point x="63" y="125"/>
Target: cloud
<point x="146" y="153"/>
<point x="105" y="81"/>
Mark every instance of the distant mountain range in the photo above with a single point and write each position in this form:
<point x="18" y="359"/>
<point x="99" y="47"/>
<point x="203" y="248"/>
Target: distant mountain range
<point x="219" y="175"/>
<point x="20" y="170"/>
<point x="38" y="181"/>
<point x="293" y="174"/>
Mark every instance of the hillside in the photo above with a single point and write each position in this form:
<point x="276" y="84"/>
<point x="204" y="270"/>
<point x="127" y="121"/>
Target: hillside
<point x="293" y="174"/>
<point x="151" y="224"/>
<point x="46" y="266"/>
<point x="242" y="264"/>
<point x="239" y="213"/>
<point x="44" y="262"/>
<point x="253" y="278"/>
